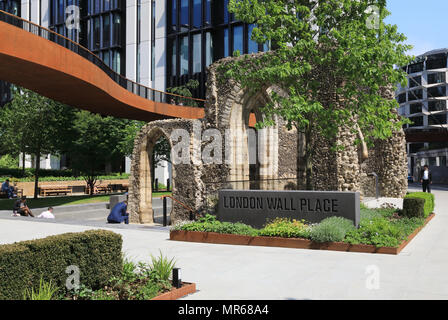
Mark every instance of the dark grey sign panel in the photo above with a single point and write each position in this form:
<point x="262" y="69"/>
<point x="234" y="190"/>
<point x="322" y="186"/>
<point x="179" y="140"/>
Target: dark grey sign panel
<point x="256" y="207"/>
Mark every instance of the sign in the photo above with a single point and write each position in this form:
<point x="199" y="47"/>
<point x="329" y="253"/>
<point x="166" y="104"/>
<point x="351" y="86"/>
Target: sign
<point x="256" y="207"/>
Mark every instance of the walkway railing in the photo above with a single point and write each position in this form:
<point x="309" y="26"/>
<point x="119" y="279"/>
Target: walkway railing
<point x="136" y="88"/>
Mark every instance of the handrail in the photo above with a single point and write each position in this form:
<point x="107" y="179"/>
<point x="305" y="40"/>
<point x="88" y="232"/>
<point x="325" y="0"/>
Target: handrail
<point x="130" y="85"/>
<point x="182" y="204"/>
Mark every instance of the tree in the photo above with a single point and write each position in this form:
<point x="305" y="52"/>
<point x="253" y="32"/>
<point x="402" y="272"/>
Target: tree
<point x="33" y="124"/>
<point x="97" y="140"/>
<point x="329" y="63"/>
<point x="184" y="91"/>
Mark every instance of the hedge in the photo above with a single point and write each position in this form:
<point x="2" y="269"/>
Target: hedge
<point x="97" y="254"/>
<point x="414" y="207"/>
<point x="17" y="175"/>
<point x="429" y="201"/>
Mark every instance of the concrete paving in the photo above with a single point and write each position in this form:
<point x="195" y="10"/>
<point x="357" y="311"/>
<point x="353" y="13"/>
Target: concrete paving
<point x="243" y="272"/>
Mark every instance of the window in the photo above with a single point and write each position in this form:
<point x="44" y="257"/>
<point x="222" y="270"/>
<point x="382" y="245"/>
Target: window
<point x="434" y="120"/>
<point x="415" y="82"/>
<point x="436" y="61"/>
<point x="173" y="15"/>
<point x="106" y="58"/>
<point x="437" y="91"/>
<point x="106" y="5"/>
<point x="226" y="11"/>
<point x="238" y="39"/>
<point x="116" y="61"/>
<point x="197" y="64"/>
<point x="415" y="108"/>
<point x="226" y="42"/>
<point x="197" y="13"/>
<point x="417" y="67"/>
<point x="208" y="49"/>
<point x="61" y="12"/>
<point x="172" y="47"/>
<point x="208" y="15"/>
<point x="252" y="45"/>
<point x="96" y="33"/>
<point x="401" y="98"/>
<point x="116" y="29"/>
<point x="97" y="6"/>
<point x="436" y="77"/>
<point x="416" y="121"/>
<point x="184" y="13"/>
<point x="437" y="105"/>
<point x="106" y="31"/>
<point x="415" y="95"/>
<point x="184" y="56"/>
<point x="416" y="147"/>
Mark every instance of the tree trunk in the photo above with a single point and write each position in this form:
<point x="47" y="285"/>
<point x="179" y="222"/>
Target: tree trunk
<point x="36" y="176"/>
<point x="23" y="163"/>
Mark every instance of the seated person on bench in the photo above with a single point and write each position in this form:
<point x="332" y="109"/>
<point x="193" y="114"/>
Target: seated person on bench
<point x="118" y="213"/>
<point x="9" y="190"/>
<point x="21" y="208"/>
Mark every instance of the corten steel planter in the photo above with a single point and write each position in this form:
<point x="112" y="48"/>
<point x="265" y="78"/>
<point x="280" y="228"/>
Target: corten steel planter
<point x="175" y="293"/>
<point x="297" y="243"/>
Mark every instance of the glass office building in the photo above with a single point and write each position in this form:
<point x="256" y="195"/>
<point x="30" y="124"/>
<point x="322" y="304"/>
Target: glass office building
<point x="11" y="6"/>
<point x="101" y="28"/>
<point x="424" y="102"/>
<point x="157" y="43"/>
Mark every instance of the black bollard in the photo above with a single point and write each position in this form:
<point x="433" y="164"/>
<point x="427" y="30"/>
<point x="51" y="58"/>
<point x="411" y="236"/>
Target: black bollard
<point x="156" y="185"/>
<point x="164" y="212"/>
<point x="168" y="184"/>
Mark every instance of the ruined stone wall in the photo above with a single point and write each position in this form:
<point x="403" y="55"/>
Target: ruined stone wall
<point x="187" y="181"/>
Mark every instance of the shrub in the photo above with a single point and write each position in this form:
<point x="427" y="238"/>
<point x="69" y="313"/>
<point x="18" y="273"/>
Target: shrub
<point x="331" y="229"/>
<point x="162" y="267"/>
<point x="46" y="291"/>
<point x="210" y="224"/>
<point x="379" y="231"/>
<point x="286" y="228"/>
<point x="429" y="201"/>
<point x="414" y="207"/>
<point x="97" y="254"/>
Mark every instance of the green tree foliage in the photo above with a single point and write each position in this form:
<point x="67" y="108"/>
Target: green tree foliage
<point x="184" y="91"/>
<point x="330" y="62"/>
<point x="97" y="140"/>
<point x="34" y="125"/>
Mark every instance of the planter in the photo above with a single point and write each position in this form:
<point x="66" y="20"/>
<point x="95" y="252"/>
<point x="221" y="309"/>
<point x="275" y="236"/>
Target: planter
<point x="176" y="293"/>
<point x="297" y="243"/>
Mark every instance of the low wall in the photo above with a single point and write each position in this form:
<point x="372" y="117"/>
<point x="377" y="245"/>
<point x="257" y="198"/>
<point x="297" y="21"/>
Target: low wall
<point x="28" y="187"/>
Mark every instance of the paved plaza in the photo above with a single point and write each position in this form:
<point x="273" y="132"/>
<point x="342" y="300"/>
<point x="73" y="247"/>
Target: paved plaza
<point x="243" y="272"/>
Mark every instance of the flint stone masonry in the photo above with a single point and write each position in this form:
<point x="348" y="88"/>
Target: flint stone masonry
<point x="256" y="208"/>
<point x="228" y="108"/>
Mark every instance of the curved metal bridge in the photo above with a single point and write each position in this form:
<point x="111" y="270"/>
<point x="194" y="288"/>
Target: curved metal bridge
<point x="54" y="66"/>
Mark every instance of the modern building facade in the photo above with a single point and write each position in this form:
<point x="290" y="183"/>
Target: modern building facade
<point x="11" y="6"/>
<point x="157" y="43"/>
<point x="424" y="102"/>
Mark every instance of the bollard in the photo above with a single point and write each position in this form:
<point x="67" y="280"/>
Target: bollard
<point x="164" y="212"/>
<point x="156" y="185"/>
<point x="191" y="216"/>
<point x="168" y="184"/>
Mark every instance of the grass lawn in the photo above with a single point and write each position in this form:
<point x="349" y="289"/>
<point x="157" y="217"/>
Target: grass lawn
<point x="7" y="204"/>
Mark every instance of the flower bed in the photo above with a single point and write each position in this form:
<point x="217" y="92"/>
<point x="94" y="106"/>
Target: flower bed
<point x="381" y="231"/>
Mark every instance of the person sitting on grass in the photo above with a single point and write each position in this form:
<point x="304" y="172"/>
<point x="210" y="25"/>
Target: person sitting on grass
<point x="118" y="213"/>
<point x="21" y="207"/>
<point x="8" y="189"/>
<point x="47" y="214"/>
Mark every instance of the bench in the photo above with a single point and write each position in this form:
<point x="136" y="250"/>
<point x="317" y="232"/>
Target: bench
<point x="119" y="187"/>
<point x="47" y="190"/>
<point x="18" y="192"/>
<point x="99" y="189"/>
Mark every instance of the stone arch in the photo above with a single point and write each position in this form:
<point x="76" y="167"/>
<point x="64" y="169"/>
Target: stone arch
<point x="241" y="150"/>
<point x="185" y="189"/>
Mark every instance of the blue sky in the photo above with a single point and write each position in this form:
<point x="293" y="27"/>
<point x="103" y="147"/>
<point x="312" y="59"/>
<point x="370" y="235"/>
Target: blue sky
<point x="424" y="22"/>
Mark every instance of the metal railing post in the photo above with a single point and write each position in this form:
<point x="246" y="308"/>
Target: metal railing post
<point x="164" y="212"/>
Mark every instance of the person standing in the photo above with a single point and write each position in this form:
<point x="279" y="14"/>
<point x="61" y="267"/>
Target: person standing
<point x="426" y="179"/>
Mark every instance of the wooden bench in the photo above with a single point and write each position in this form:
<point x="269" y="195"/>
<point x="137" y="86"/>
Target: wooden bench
<point x="99" y="189"/>
<point x="119" y="187"/>
<point x="18" y="192"/>
<point x="47" y="190"/>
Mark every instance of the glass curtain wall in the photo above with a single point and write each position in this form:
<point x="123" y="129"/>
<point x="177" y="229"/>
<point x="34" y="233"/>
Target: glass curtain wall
<point x="200" y="32"/>
<point x="101" y="28"/>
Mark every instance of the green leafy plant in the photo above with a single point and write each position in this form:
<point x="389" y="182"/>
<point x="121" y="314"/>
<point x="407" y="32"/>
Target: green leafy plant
<point x="162" y="267"/>
<point x="414" y="207"/>
<point x="287" y="228"/>
<point x="379" y="231"/>
<point x="331" y="229"/>
<point x="46" y="291"/>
